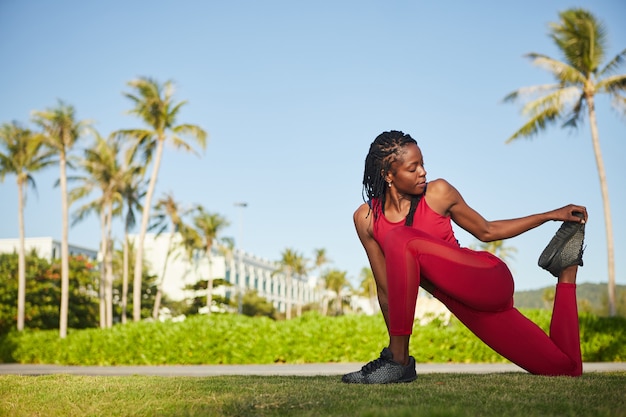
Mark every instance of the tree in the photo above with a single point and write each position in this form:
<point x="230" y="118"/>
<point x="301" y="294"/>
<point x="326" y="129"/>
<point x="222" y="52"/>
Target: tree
<point x="497" y="248"/>
<point x="23" y="155"/>
<point x="368" y="286"/>
<point x="44" y="292"/>
<point x="291" y="263"/>
<point x="336" y="281"/>
<point x="319" y="260"/>
<point x="209" y="225"/>
<point x="154" y="104"/>
<point x="582" y="40"/>
<point x="61" y="130"/>
<point x="132" y="191"/>
<point x="168" y="214"/>
<point x="257" y="306"/>
<point x="103" y="172"/>
<point x="148" y="282"/>
<point x="301" y="270"/>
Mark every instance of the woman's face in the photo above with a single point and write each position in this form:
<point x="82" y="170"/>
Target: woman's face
<point x="408" y="174"/>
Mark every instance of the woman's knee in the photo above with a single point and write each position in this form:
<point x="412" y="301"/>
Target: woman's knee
<point x="397" y="239"/>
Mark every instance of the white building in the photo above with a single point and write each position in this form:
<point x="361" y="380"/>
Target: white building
<point x="242" y="270"/>
<point x="45" y="247"/>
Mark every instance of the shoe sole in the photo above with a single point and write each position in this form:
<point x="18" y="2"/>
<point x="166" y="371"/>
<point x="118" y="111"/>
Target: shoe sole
<point x="558" y="242"/>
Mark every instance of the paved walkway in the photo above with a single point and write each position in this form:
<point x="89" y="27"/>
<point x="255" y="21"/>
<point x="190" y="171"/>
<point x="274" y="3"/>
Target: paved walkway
<point x="268" y="370"/>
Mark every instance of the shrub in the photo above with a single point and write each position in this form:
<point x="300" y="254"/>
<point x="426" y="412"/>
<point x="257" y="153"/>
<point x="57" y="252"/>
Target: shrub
<point x="312" y="338"/>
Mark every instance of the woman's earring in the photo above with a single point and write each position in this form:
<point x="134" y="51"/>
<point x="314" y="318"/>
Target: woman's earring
<point x="389" y="184"/>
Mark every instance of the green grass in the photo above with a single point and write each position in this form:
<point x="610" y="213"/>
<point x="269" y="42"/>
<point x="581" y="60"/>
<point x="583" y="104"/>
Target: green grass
<point x="509" y="394"/>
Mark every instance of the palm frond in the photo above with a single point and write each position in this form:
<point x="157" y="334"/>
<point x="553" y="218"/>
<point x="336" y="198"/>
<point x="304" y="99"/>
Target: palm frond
<point x="581" y="38"/>
<point x="529" y="92"/>
<point x="536" y="123"/>
<point x="613" y="84"/>
<point x="84" y="210"/>
<point x="192" y="131"/>
<point x="174" y="110"/>
<point x="563" y="72"/>
<point x="613" y="64"/>
<point x="619" y="103"/>
<point x="576" y="115"/>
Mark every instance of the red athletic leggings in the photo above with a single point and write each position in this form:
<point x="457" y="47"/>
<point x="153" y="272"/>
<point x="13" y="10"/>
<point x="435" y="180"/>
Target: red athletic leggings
<point x="477" y="287"/>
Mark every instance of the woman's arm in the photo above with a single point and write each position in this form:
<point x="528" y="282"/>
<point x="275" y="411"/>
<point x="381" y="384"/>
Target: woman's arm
<point x="363" y="221"/>
<point x="445" y="197"/>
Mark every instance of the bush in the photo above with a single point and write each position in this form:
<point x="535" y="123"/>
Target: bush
<point x="312" y="338"/>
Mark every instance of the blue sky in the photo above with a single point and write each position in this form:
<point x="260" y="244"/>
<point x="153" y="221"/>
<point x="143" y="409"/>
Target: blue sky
<point x="292" y="93"/>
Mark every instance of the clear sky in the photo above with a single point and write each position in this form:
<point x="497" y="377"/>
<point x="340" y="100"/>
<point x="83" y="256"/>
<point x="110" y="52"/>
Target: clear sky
<point x="292" y="93"/>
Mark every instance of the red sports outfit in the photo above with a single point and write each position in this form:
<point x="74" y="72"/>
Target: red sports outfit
<point x="477" y="287"/>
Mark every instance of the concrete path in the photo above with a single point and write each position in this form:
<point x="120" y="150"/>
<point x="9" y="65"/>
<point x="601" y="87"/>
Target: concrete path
<point x="269" y="370"/>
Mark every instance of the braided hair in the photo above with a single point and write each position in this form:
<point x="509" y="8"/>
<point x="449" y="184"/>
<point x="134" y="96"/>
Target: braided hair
<point x="384" y="151"/>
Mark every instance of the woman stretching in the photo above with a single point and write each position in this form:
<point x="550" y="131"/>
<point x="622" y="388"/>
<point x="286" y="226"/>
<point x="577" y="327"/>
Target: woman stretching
<point x="405" y="228"/>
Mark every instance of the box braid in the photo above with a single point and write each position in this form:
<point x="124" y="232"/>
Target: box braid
<point x="384" y="151"/>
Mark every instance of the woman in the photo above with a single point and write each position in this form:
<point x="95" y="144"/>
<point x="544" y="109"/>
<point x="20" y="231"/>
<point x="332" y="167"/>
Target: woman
<point x="405" y="228"/>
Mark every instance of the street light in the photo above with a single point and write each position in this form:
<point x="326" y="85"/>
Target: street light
<point x="241" y="205"/>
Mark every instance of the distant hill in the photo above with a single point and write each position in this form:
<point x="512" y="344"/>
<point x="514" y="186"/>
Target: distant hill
<point x="591" y="297"/>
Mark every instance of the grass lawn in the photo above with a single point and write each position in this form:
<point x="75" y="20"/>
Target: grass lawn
<point x="508" y="394"/>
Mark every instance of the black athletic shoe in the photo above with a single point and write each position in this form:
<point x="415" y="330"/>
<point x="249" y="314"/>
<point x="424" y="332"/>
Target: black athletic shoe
<point x="383" y="371"/>
<point x="565" y="249"/>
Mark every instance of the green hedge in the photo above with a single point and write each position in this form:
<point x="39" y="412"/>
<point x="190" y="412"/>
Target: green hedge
<point x="236" y="339"/>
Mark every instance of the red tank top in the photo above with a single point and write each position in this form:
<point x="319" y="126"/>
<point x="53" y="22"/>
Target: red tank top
<point x="425" y="219"/>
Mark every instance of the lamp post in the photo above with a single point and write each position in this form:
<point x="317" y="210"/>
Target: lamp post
<point x="241" y="205"/>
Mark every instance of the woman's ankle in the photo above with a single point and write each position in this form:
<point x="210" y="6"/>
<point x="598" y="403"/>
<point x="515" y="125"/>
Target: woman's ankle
<point x="568" y="275"/>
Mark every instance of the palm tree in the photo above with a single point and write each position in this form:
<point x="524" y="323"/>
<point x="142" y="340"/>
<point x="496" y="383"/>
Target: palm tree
<point x="61" y="130"/>
<point x="289" y="263"/>
<point x="168" y="214"/>
<point x="497" y="248"/>
<point x="300" y="270"/>
<point x="582" y="39"/>
<point x="153" y="103"/>
<point x="132" y="191"/>
<point x="104" y="173"/>
<point x="319" y="260"/>
<point x="209" y="225"/>
<point x="336" y="281"/>
<point x="191" y="243"/>
<point x="368" y="286"/>
<point x="24" y="155"/>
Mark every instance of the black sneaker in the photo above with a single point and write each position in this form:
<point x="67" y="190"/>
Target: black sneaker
<point x="565" y="249"/>
<point x="383" y="371"/>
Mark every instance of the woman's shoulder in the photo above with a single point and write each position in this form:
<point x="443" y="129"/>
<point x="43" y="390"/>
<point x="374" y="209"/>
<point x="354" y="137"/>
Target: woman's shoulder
<point x="438" y="186"/>
<point x="363" y="210"/>
<point x="440" y="196"/>
<point x="363" y="220"/>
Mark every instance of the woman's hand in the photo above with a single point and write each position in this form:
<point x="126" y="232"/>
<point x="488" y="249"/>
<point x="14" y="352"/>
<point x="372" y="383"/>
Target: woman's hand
<point x="566" y="214"/>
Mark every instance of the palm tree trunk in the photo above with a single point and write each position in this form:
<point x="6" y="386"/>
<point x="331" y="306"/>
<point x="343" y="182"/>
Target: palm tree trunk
<point x="125" y="278"/>
<point x="372" y="296"/>
<point x="109" y="269"/>
<point x="608" y="224"/>
<point x="209" y="284"/>
<point x="109" y="285"/>
<point x="65" y="264"/>
<point x="142" y="233"/>
<point x="21" y="262"/>
<point x="102" y="286"/>
<point x="299" y="295"/>
<point x="288" y="296"/>
<point x="159" y="293"/>
<point x="324" y="305"/>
